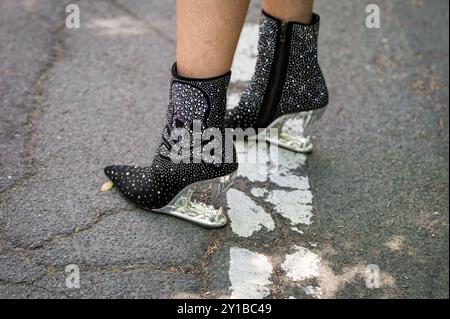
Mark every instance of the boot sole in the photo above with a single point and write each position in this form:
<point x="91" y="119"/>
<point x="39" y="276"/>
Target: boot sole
<point x="294" y="141"/>
<point x="191" y="203"/>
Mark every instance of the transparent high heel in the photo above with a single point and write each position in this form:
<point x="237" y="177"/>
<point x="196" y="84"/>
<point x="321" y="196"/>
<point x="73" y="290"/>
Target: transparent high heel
<point x="292" y="130"/>
<point x="200" y="202"/>
<point x="187" y="190"/>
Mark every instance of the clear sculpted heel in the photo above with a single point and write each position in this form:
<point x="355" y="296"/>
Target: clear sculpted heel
<point x="291" y="130"/>
<point x="199" y="203"/>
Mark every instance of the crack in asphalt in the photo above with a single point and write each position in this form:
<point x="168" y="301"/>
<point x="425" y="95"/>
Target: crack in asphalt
<point x="202" y="271"/>
<point x="67" y="234"/>
<point x="58" y="52"/>
<point x="120" y="268"/>
<point x="30" y="141"/>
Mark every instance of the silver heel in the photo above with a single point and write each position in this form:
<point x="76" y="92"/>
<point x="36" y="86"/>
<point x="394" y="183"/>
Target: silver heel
<point x="197" y="202"/>
<point x="291" y="130"/>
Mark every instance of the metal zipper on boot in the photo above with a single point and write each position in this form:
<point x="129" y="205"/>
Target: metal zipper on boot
<point x="278" y="75"/>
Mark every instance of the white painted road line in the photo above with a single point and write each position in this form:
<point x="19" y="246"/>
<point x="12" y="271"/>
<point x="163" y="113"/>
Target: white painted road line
<point x="249" y="274"/>
<point x="246" y="216"/>
<point x="301" y="264"/>
<point x="233" y="100"/>
<point x="293" y="205"/>
<point x="290" y="194"/>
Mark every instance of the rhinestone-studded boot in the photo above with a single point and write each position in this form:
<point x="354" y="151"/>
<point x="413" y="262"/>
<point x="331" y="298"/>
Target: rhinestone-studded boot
<point x="180" y="184"/>
<point x="288" y="90"/>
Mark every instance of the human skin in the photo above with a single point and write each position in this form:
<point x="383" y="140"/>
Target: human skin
<point x="290" y="10"/>
<point x="208" y="31"/>
<point x="207" y="35"/>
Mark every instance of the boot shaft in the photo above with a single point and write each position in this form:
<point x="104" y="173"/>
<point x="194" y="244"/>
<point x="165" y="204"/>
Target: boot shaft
<point x="287" y="77"/>
<point x="201" y="100"/>
<point x="195" y="106"/>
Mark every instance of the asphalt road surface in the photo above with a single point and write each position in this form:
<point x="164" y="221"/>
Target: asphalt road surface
<point x="365" y="216"/>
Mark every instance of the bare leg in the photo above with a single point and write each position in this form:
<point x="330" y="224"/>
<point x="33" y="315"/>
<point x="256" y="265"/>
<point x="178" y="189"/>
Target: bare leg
<point x="290" y="10"/>
<point x="207" y="35"/>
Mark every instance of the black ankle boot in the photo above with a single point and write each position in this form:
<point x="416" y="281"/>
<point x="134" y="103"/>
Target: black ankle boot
<point x="186" y="188"/>
<point x="287" y="83"/>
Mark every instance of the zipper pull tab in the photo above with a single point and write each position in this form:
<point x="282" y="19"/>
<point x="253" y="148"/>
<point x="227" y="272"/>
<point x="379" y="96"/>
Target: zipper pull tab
<point x="283" y="32"/>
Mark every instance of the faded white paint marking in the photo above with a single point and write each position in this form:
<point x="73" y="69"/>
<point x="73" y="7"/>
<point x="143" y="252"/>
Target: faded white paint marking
<point x="297" y="230"/>
<point x="285" y="175"/>
<point x="233" y="100"/>
<point x="294" y="205"/>
<point x="313" y="291"/>
<point x="249" y="274"/>
<point x="257" y="166"/>
<point x="245" y="215"/>
<point x="301" y="265"/>
<point x="254" y="161"/>
<point x="258" y="192"/>
<point x="246" y="53"/>
<point x="290" y="160"/>
<point x="291" y="181"/>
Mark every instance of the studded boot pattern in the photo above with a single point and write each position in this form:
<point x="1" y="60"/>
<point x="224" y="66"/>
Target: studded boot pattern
<point x="157" y="186"/>
<point x="287" y="78"/>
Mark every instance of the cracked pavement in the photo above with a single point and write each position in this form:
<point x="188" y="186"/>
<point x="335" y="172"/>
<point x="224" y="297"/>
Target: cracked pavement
<point x="74" y="101"/>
